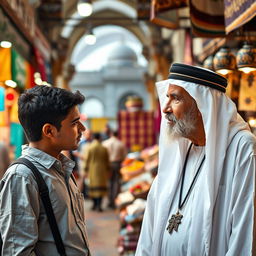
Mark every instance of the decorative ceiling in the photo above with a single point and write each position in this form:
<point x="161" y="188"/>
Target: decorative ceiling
<point x="64" y="27"/>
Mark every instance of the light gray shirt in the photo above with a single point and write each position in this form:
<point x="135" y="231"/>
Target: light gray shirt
<point x="23" y="223"/>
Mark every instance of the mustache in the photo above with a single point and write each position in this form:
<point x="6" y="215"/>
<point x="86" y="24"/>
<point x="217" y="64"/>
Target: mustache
<point x="171" y="117"/>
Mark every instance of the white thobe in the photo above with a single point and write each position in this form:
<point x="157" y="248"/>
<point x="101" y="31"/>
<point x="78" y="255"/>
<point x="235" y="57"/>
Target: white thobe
<point x="177" y="242"/>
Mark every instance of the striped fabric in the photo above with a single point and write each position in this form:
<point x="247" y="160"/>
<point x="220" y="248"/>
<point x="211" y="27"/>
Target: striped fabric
<point x="207" y="18"/>
<point x="136" y="129"/>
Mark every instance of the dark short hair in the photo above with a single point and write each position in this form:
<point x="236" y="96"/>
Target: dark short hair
<point x="115" y="133"/>
<point x="44" y="104"/>
<point x="97" y="136"/>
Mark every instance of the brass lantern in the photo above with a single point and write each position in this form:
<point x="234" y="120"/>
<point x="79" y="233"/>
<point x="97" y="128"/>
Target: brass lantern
<point x="246" y="58"/>
<point x="208" y="62"/>
<point x="224" y="61"/>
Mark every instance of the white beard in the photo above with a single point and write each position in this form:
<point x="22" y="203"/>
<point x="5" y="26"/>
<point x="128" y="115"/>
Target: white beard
<point x="181" y="128"/>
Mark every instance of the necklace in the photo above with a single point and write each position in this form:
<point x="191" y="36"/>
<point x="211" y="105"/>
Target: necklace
<point x="175" y="219"/>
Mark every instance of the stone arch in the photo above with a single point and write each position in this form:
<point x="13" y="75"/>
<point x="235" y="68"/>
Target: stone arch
<point x="96" y="108"/>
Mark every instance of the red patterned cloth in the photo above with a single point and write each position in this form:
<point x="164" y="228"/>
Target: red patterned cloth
<point x="137" y="128"/>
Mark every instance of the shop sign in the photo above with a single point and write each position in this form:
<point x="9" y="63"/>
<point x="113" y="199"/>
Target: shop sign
<point x="25" y="13"/>
<point x="9" y="33"/>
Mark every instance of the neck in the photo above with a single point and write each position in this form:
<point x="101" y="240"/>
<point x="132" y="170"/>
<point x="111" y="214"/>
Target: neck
<point x="198" y="141"/>
<point x="45" y="148"/>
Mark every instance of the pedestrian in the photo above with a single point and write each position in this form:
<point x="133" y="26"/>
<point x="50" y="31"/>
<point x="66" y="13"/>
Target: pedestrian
<point x="117" y="152"/>
<point x="202" y="200"/>
<point x="97" y="169"/>
<point x="106" y="132"/>
<point x="51" y="122"/>
<point x="4" y="158"/>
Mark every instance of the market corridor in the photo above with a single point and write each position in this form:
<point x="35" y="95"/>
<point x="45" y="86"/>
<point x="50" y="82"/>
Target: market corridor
<point x="103" y="228"/>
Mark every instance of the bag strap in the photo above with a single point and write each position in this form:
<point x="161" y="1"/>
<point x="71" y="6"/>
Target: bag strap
<point x="44" y="194"/>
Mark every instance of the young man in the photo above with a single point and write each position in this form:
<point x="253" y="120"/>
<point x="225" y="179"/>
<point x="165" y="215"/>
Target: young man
<point x="51" y="122"/>
<point x="202" y="200"/>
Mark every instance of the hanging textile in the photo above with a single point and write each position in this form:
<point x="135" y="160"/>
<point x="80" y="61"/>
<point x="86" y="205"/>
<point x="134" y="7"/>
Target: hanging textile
<point x="18" y="69"/>
<point x="247" y="96"/>
<point x="164" y="13"/>
<point x="40" y="64"/>
<point x="238" y="13"/>
<point x="17" y="138"/>
<point x="136" y="129"/>
<point x="207" y="18"/>
<point x="1" y="98"/>
<point x="5" y="64"/>
<point x="29" y="76"/>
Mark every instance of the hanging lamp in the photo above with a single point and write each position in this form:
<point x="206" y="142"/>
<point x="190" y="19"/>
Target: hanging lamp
<point x="90" y="38"/>
<point x="208" y="62"/>
<point x="246" y="58"/>
<point x="84" y="7"/>
<point x="224" y="61"/>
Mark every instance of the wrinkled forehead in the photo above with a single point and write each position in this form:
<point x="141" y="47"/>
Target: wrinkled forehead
<point x="176" y="89"/>
<point x="175" y="86"/>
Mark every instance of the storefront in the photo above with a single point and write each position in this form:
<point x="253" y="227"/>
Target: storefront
<point x="18" y="64"/>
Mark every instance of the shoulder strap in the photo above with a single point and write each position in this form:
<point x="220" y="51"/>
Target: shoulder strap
<point x="44" y="194"/>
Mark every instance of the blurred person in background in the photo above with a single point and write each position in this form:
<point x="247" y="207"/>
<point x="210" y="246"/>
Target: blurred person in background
<point x="97" y="170"/>
<point x="80" y="155"/>
<point x="4" y="158"/>
<point x="106" y="132"/>
<point x="117" y="152"/>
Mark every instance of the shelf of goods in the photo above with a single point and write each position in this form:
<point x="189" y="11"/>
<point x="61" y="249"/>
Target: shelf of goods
<point x="137" y="175"/>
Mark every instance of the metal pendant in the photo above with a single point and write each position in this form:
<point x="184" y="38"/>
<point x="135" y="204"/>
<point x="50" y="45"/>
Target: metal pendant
<point x="174" y="222"/>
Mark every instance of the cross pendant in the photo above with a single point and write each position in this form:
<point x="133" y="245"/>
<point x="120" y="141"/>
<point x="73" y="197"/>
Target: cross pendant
<point x="174" y="222"/>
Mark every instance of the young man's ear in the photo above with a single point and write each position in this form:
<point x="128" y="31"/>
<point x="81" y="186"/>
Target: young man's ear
<point x="49" y="131"/>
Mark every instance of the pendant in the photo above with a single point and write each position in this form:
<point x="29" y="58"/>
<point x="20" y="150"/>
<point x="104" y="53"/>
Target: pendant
<point x="174" y="222"/>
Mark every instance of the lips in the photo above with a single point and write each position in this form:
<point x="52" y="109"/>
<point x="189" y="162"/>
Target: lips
<point x="171" y="119"/>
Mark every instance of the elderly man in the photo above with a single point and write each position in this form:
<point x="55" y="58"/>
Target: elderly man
<point x="202" y="200"/>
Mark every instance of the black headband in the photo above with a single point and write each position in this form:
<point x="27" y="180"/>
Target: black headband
<point x="198" y="76"/>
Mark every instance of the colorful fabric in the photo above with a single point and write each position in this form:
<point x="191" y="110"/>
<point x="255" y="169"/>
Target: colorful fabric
<point x="207" y="18"/>
<point x="247" y="96"/>
<point x="18" y="69"/>
<point x="163" y="13"/>
<point x="238" y="13"/>
<point x="136" y="128"/>
<point x="3" y="118"/>
<point x="29" y="83"/>
<point x="1" y="99"/>
<point x="40" y="63"/>
<point x="17" y="138"/>
<point x="5" y="64"/>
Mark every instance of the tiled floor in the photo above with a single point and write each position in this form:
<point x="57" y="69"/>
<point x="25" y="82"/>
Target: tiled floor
<point x="102" y="230"/>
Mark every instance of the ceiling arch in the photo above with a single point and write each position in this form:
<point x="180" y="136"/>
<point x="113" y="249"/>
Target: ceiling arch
<point x="79" y="31"/>
<point x="122" y="12"/>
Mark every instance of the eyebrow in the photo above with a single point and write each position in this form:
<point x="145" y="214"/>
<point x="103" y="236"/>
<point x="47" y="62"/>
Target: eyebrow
<point x="173" y="94"/>
<point x="75" y="120"/>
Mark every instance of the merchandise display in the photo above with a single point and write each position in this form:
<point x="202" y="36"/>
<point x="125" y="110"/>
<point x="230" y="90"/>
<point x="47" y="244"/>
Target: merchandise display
<point x="138" y="171"/>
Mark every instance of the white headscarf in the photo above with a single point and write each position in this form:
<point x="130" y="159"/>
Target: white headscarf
<point x="221" y="124"/>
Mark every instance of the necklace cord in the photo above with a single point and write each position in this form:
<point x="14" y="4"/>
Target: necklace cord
<point x="183" y="177"/>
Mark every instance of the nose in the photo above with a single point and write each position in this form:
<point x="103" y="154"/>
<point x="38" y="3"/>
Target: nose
<point x="81" y="127"/>
<point x="167" y="109"/>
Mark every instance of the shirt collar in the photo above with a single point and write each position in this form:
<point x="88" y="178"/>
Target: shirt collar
<point x="64" y="164"/>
